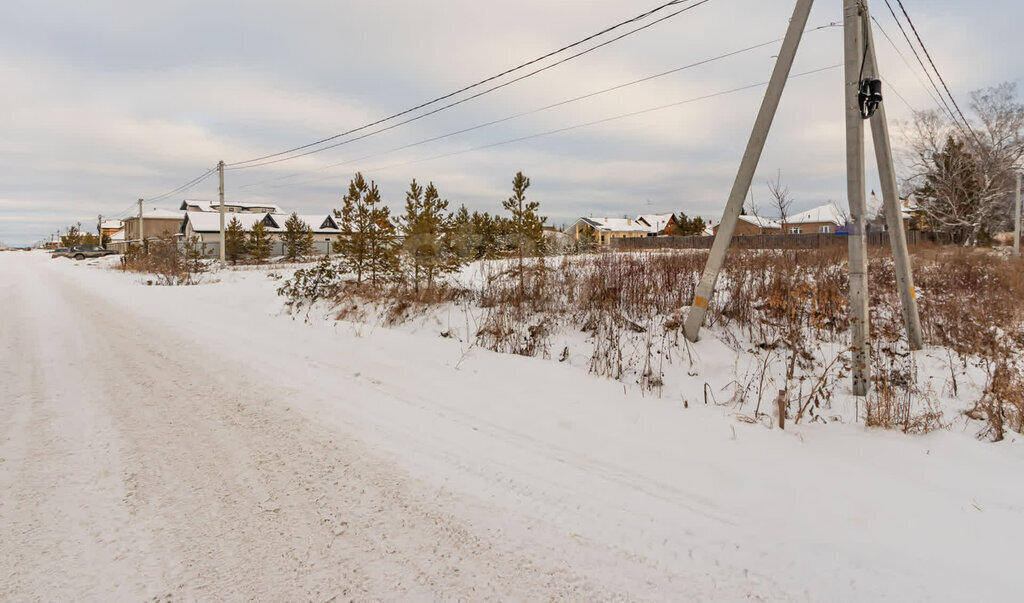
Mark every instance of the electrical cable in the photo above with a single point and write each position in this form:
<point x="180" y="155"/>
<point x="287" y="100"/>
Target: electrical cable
<point x="188" y="185"/>
<point x="906" y="62"/>
<point x="601" y="121"/>
<point x="906" y="36"/>
<point x="544" y="108"/>
<point x="937" y="73"/>
<point x="259" y="161"/>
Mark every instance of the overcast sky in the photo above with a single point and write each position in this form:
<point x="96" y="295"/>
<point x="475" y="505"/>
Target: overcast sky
<point x="104" y="102"/>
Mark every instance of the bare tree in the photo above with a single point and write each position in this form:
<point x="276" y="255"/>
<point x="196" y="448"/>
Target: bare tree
<point x="781" y="201"/>
<point x="751" y="208"/>
<point x="963" y="174"/>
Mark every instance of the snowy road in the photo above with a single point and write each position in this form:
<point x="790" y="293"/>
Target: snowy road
<point x="137" y="465"/>
<point x="193" y="443"/>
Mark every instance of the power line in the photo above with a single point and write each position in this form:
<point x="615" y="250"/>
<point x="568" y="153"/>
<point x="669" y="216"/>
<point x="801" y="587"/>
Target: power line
<point x="906" y="62"/>
<point x="601" y="121"/>
<point x="937" y="73"/>
<point x="260" y="161"/>
<point x="547" y="107"/>
<point x="900" y="96"/>
<point x="920" y="61"/>
<point x="184" y="187"/>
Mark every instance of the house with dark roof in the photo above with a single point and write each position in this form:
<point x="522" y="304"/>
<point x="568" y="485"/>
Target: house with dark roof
<point x="205" y="226"/>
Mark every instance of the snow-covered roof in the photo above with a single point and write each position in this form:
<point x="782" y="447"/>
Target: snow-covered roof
<point x="117" y="236"/>
<point x="616" y="225"/>
<point x="156" y="213"/>
<point x="214" y="206"/>
<point x="318" y="223"/>
<point x="657" y="222"/>
<point x="761" y="222"/>
<point x="823" y="213"/>
<point x="107" y="224"/>
<point x="205" y="221"/>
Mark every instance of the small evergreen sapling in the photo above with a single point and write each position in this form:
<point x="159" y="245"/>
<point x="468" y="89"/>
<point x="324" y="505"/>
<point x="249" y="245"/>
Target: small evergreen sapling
<point x="259" y="242"/>
<point x="235" y="244"/>
<point x="429" y="234"/>
<point x="298" y="238"/>
<point x="367" y="246"/>
<point x="527" y="228"/>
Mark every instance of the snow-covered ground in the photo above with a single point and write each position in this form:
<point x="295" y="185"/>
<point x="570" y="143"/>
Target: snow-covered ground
<point x="200" y="443"/>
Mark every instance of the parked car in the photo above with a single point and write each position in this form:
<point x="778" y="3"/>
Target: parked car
<point x="60" y="252"/>
<point x="80" y="252"/>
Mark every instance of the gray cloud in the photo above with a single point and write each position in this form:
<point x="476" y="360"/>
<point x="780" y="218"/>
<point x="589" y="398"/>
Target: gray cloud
<point x="104" y="102"/>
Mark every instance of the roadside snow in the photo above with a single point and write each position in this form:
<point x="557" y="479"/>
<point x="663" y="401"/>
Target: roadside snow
<point x="200" y="443"/>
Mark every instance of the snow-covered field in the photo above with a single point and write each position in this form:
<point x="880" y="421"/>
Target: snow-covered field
<point x="200" y="443"/>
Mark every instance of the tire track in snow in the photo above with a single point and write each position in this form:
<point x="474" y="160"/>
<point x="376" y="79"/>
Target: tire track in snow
<point x="226" y="492"/>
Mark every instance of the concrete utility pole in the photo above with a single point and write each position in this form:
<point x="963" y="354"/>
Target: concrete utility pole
<point x="142" y="237"/>
<point x="1016" y="222"/>
<point x="751" y="157"/>
<point x="853" y="23"/>
<point x="891" y="199"/>
<point x="220" y="171"/>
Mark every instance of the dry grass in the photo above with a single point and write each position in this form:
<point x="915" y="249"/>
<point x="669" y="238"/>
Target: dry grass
<point x="168" y="263"/>
<point x="787" y="304"/>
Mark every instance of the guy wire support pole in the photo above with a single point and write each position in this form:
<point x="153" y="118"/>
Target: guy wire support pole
<point x="220" y="171"/>
<point x="891" y="199"/>
<point x="853" y="22"/>
<point x="751" y="157"/>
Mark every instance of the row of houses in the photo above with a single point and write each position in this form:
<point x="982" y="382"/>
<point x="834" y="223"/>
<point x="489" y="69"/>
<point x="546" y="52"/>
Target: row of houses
<point x="201" y="219"/>
<point x="826" y="219"/>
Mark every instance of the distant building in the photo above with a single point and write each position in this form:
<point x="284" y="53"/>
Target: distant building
<point x="206" y="227"/>
<point x="232" y="207"/>
<point x="753" y="225"/>
<point x="658" y="224"/>
<point x="824" y="219"/>
<point x="109" y="227"/>
<point x="606" y="229"/>
<point x="155" y="222"/>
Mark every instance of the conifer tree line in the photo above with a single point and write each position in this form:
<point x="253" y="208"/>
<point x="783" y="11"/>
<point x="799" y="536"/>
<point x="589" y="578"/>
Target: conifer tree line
<point x="429" y="240"/>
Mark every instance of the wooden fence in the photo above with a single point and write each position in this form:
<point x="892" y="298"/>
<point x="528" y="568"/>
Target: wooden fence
<point x="768" y="241"/>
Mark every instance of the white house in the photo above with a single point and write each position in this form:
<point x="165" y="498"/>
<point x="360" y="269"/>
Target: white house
<point x="606" y="229"/>
<point x="206" y="225"/>
<point x="657" y="223"/>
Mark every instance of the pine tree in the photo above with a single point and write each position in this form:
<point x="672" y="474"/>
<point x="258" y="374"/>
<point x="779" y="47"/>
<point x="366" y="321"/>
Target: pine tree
<point x="464" y="240"/>
<point x="298" y="238"/>
<point x="368" y="245"/>
<point x="586" y="241"/>
<point x="429" y="236"/>
<point x="259" y="242"/>
<point x="235" y="244"/>
<point x="194" y="254"/>
<point x="409" y="226"/>
<point x="526" y="226"/>
<point x="687" y="227"/>
<point x="74" y="236"/>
